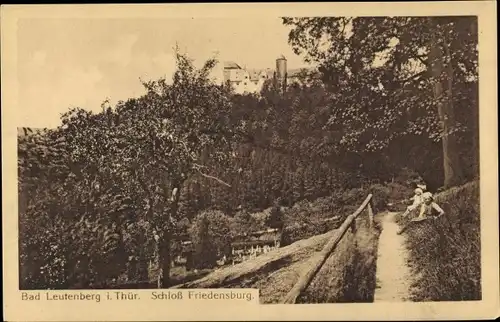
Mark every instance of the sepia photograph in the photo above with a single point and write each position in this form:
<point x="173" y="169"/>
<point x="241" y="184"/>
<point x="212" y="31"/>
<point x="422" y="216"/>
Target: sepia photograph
<point x="322" y="159"/>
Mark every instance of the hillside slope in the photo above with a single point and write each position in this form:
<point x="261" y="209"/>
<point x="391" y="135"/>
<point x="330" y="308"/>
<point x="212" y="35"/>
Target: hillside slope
<point x="347" y="276"/>
<point x="247" y="273"/>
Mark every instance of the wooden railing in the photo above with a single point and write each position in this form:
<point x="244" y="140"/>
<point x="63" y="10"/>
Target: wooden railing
<point x="321" y="257"/>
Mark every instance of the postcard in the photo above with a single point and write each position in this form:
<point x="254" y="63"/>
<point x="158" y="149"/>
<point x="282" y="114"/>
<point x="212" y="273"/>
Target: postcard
<point x="270" y="161"/>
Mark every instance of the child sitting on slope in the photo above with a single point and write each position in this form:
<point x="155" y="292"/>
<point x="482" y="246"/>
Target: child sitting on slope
<point x="417" y="201"/>
<point x="428" y="209"/>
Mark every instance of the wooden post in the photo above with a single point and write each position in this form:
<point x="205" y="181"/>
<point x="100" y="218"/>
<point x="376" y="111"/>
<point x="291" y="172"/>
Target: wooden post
<point x="370" y="214"/>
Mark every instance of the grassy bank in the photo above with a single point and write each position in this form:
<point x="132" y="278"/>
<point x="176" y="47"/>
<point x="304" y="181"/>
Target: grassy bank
<point x="445" y="254"/>
<point x="348" y="275"/>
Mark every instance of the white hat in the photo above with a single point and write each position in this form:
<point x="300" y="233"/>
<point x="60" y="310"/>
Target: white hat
<point x="422" y="186"/>
<point x="418" y="190"/>
<point x="427" y="195"/>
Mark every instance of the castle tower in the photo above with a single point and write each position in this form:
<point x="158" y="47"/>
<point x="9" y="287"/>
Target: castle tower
<point x="281" y="73"/>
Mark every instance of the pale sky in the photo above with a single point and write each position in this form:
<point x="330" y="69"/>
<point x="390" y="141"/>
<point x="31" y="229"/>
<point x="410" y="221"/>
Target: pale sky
<point x="81" y="62"/>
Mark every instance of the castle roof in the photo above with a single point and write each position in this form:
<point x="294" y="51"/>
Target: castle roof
<point x="239" y="74"/>
<point x="231" y="65"/>
<point x="256" y="74"/>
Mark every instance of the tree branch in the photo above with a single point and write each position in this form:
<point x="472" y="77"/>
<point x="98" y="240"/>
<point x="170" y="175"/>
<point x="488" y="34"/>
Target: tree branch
<point x="344" y="24"/>
<point x="187" y="150"/>
<point x="214" y="178"/>
<point x="413" y="76"/>
<point x="420" y="57"/>
<point x="197" y="166"/>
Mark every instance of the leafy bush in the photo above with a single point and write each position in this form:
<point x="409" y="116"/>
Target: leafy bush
<point x="352" y="197"/>
<point x="211" y="237"/>
<point x="408" y="177"/>
<point x="380" y="197"/>
<point x="398" y="191"/>
<point x="275" y="219"/>
<point x="306" y="219"/>
<point x="245" y="222"/>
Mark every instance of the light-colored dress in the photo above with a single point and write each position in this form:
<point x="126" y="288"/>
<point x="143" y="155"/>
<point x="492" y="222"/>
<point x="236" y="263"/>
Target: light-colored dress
<point x="428" y="210"/>
<point x="417" y="200"/>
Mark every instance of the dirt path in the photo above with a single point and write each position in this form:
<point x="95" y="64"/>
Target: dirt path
<point x="393" y="275"/>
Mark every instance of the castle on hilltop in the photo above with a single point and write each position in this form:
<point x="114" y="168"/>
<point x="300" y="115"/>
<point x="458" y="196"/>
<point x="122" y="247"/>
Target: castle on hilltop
<point x="252" y="80"/>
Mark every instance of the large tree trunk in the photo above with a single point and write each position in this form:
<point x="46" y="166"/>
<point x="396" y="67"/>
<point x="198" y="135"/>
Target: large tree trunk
<point x="165" y="258"/>
<point x="142" y="266"/>
<point x="442" y="73"/>
<point x="165" y="243"/>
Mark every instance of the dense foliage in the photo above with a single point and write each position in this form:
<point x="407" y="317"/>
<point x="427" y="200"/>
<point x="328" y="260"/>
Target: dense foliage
<point x="409" y="88"/>
<point x="115" y="178"/>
